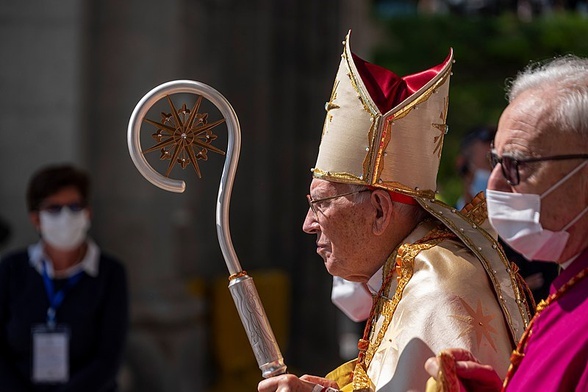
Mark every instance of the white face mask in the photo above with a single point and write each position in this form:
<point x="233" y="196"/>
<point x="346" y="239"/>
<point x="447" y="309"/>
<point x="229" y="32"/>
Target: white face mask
<point x="352" y="298"/>
<point x="65" y="230"/>
<point x="515" y="216"/>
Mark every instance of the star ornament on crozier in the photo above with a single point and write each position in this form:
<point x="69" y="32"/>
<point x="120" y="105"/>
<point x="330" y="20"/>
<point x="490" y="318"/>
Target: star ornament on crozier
<point x="184" y="136"/>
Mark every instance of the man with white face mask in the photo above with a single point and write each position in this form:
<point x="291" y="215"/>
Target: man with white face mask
<point x="474" y="169"/>
<point x="472" y="162"/>
<point x="63" y="303"/>
<point x="538" y="203"/>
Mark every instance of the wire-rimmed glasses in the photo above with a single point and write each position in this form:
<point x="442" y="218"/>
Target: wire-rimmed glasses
<point x="313" y="202"/>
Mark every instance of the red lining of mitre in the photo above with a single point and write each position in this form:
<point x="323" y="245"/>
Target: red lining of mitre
<point x="399" y="197"/>
<point x="387" y="89"/>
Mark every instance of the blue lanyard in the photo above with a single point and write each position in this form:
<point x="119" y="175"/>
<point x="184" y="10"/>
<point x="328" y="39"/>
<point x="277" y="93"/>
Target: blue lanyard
<point x="56" y="298"/>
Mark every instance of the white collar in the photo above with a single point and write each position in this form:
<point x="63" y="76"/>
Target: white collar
<point x="375" y="282"/>
<point x="89" y="263"/>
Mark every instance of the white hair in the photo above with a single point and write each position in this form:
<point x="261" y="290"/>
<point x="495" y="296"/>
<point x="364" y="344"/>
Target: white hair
<point x="566" y="79"/>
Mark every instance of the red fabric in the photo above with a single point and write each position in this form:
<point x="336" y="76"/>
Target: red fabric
<point x="388" y="89"/>
<point x="402" y="198"/>
<point x="399" y="197"/>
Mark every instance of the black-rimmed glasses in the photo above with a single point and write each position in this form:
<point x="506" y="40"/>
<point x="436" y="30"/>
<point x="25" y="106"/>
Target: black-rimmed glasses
<point x="312" y="202"/>
<point x="510" y="165"/>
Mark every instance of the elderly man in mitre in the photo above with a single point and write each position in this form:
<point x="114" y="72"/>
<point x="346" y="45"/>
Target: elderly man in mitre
<point x="437" y="276"/>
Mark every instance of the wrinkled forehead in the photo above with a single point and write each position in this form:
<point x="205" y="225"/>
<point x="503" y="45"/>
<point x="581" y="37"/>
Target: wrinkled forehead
<point x="525" y="126"/>
<point x="323" y="186"/>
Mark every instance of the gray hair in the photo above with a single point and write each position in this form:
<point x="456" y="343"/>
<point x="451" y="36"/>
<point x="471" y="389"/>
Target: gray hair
<point x="566" y="78"/>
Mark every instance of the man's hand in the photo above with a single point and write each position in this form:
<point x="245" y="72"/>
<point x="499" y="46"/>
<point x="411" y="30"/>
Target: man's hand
<point x="473" y="375"/>
<point x="291" y="383"/>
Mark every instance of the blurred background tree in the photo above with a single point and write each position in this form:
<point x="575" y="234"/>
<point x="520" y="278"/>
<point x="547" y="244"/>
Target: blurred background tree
<point x="488" y="50"/>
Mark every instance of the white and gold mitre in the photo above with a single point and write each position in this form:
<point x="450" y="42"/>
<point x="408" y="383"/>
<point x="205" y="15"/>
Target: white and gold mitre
<point x="382" y="130"/>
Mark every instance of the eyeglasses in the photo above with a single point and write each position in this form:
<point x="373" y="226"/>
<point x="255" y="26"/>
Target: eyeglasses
<point x="56" y="208"/>
<point x="312" y="202"/>
<point x="510" y="165"/>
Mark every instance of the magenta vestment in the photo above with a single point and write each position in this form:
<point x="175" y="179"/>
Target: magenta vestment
<point x="556" y="357"/>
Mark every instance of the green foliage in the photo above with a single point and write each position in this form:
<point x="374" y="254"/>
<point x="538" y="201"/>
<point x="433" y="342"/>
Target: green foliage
<point x="488" y="51"/>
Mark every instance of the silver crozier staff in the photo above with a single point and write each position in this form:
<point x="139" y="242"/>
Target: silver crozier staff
<point x="185" y="136"/>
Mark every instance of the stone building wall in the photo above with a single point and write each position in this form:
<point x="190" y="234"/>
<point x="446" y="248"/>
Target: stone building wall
<point x="70" y="76"/>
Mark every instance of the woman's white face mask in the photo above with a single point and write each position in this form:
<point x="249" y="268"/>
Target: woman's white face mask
<point x="66" y="229"/>
<point x="351" y="298"/>
<point x="516" y="218"/>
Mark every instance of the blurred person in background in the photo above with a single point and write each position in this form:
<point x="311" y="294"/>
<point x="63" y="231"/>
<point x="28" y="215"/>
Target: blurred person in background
<point x="63" y="302"/>
<point x="5" y="232"/>
<point x="473" y="166"/>
<point x="472" y="162"/>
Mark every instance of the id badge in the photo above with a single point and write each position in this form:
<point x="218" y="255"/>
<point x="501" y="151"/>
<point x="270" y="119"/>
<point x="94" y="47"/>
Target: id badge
<point x="50" y="354"/>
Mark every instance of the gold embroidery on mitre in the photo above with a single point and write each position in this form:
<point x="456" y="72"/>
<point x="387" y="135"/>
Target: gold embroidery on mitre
<point x="442" y="127"/>
<point x="398" y="113"/>
<point x="363" y="96"/>
<point x="381" y="148"/>
<point x="372" y="134"/>
<point x="375" y="116"/>
<point x="373" y="153"/>
<point x="331" y="105"/>
<point x="407" y="106"/>
<point x="346" y="178"/>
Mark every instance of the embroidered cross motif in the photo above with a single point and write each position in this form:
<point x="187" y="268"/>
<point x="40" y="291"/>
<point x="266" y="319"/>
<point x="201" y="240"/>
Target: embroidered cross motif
<point x="330" y="105"/>
<point x="442" y="127"/>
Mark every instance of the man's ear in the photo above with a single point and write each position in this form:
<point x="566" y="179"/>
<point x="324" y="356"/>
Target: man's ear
<point x="382" y="202"/>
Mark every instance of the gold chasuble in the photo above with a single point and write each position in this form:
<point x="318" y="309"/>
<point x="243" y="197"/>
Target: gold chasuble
<point x="448" y="284"/>
<point x="438" y="293"/>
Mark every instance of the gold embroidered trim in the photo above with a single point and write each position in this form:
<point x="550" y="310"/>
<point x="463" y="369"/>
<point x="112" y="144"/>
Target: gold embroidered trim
<point x="374" y="152"/>
<point x="476" y="210"/>
<point x="349" y="178"/>
<point x="364" y="98"/>
<point x="403" y="263"/>
<point x="447" y="380"/>
<point x="379" y="134"/>
<point x="370" y="108"/>
<point x="361" y="381"/>
<point x="380" y="148"/>
<point x="511" y="268"/>
<point x="425" y="95"/>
